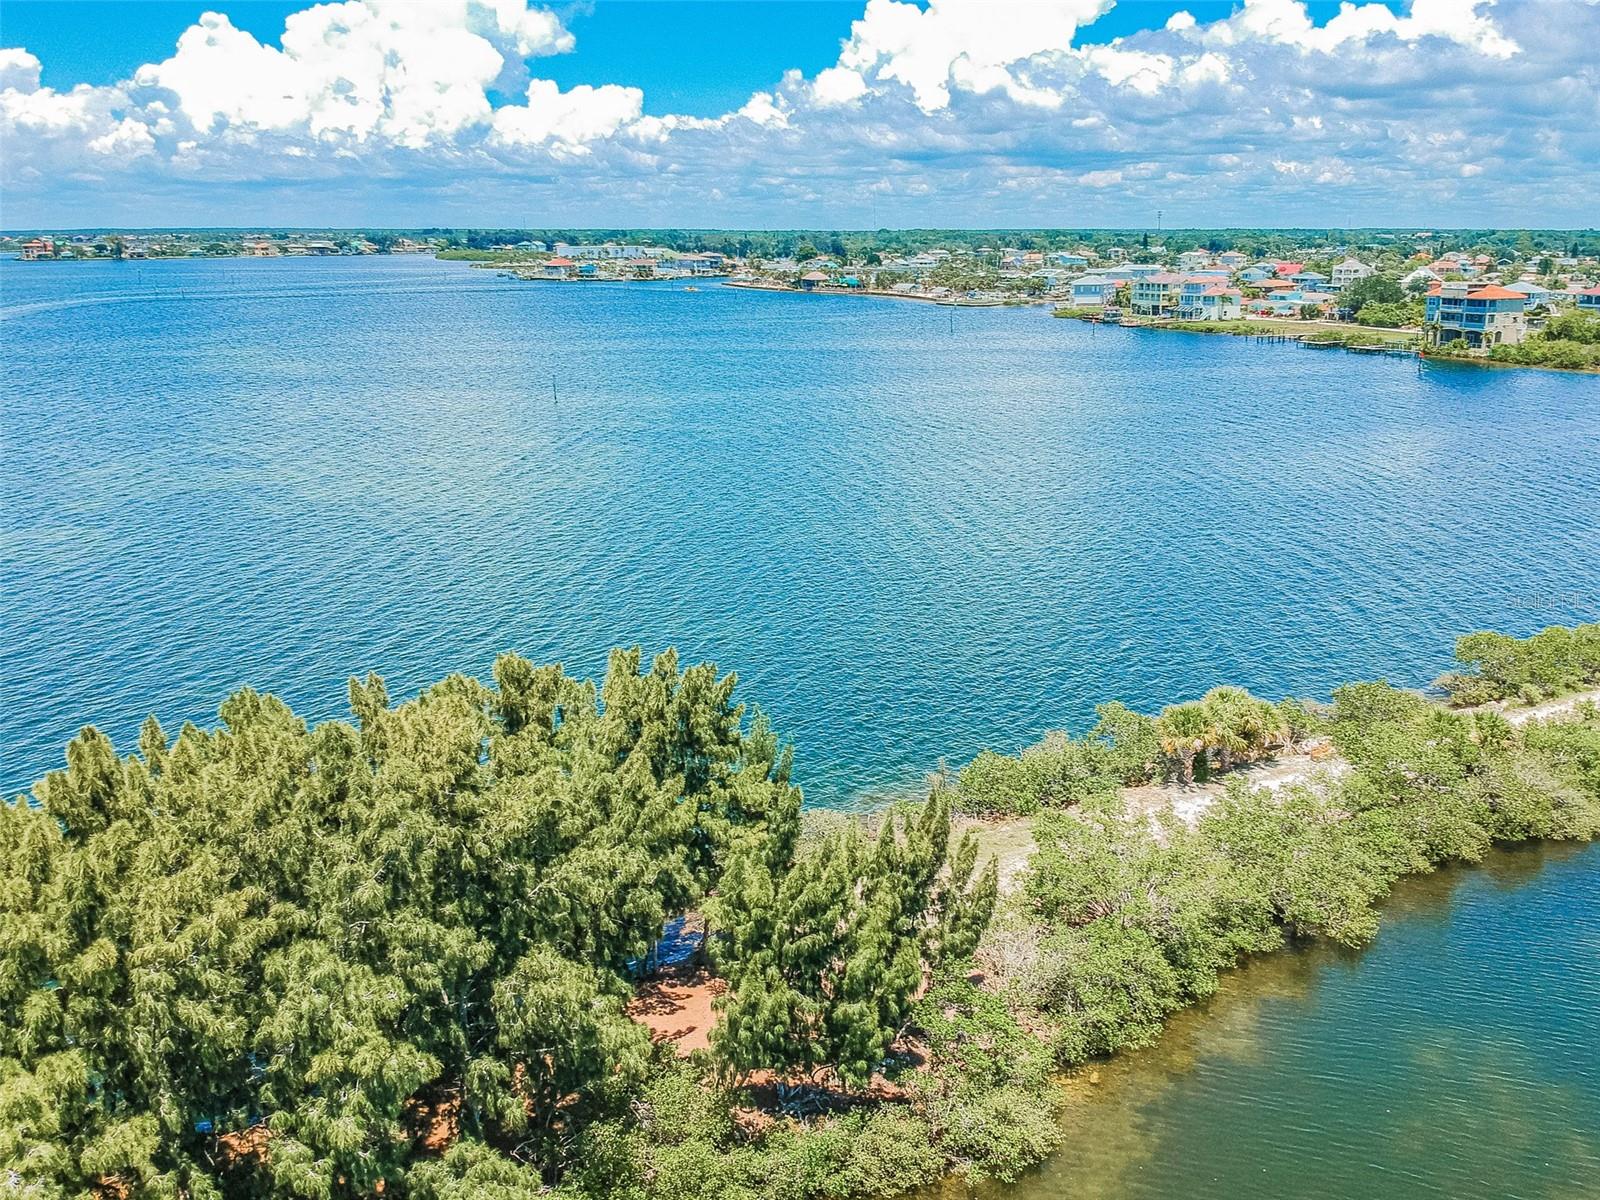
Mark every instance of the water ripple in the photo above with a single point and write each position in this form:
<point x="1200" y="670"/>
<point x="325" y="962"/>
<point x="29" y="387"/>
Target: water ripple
<point x="911" y="543"/>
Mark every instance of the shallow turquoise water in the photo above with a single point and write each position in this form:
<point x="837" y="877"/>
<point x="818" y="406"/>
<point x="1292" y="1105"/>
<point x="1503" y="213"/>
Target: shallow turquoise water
<point x="1456" y="1058"/>
<point x="911" y="535"/>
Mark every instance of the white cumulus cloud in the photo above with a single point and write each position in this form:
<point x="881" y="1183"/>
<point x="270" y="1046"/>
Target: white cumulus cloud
<point x="568" y="119"/>
<point x="957" y="111"/>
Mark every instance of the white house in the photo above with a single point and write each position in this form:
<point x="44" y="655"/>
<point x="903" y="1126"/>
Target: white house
<point x="1536" y="293"/>
<point x="1347" y="272"/>
<point x="1204" y="298"/>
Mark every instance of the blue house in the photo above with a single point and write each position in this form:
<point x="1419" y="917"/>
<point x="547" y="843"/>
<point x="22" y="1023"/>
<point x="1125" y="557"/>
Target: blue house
<point x="1479" y="314"/>
<point x="1093" y="291"/>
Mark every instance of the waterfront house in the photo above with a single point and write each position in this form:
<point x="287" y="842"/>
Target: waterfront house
<point x="1203" y="298"/>
<point x="37" y="248"/>
<point x="695" y="264"/>
<point x="811" y="280"/>
<point x="1093" y="291"/>
<point x="1347" y="272"/>
<point x="1156" y="295"/>
<point x="557" y="268"/>
<point x="605" y="250"/>
<point x="588" y="270"/>
<point x="1479" y="314"/>
<point x="1536" y="293"/>
<point x="1589" y="300"/>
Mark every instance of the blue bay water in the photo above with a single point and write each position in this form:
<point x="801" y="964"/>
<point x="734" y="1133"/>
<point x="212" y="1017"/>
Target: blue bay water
<point x="913" y="533"/>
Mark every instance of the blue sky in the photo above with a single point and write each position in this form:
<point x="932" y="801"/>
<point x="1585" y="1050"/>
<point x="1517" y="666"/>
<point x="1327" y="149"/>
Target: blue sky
<point x="781" y="113"/>
<point x="689" y="56"/>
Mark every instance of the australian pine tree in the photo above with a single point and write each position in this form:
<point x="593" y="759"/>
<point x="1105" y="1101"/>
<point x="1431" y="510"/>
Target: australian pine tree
<point x="285" y="937"/>
<point x="825" y="952"/>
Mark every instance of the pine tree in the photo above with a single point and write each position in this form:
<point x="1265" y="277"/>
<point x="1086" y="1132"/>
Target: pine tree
<point x="303" y="930"/>
<point x="825" y="953"/>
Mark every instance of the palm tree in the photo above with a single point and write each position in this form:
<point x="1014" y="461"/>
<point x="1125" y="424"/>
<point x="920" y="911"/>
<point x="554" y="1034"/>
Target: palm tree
<point x="1228" y="713"/>
<point x="1242" y="726"/>
<point x="1182" y="730"/>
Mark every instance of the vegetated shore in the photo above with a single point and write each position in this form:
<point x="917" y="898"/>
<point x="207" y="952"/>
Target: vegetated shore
<point x="1473" y="361"/>
<point x="454" y="909"/>
<point x="1009" y="840"/>
<point x="1359" y="339"/>
<point x="1319" y="333"/>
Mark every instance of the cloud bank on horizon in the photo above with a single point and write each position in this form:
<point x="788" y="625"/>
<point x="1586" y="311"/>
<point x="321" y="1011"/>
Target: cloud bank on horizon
<point x="962" y="112"/>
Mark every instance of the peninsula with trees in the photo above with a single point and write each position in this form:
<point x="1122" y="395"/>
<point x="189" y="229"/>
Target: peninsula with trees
<point x="416" y="952"/>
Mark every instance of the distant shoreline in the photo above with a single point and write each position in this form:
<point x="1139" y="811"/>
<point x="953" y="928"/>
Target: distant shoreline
<point x="1384" y="340"/>
<point x="946" y="301"/>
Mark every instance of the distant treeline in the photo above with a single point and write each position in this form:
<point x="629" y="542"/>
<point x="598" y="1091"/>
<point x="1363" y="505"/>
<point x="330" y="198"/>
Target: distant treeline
<point x="1261" y="243"/>
<point x="855" y="243"/>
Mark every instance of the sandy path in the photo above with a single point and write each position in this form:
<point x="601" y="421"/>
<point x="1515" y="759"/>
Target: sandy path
<point x="1188" y="803"/>
<point x="1559" y="707"/>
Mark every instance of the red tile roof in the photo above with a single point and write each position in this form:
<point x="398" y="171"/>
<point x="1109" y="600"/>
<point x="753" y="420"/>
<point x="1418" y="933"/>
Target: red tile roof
<point x="1488" y="291"/>
<point x="559" y="262"/>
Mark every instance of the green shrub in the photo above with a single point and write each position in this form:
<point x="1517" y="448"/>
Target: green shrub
<point x="975" y="1037"/>
<point x="997" y="785"/>
<point x="881" y="1152"/>
<point x="1552" y="662"/>
<point x="999" y="1134"/>
<point x="1107" y="988"/>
